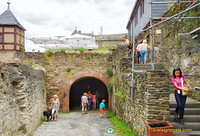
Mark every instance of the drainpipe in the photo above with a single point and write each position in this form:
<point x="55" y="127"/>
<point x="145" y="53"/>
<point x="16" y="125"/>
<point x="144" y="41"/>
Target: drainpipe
<point x="151" y="35"/>
<point x="132" y="83"/>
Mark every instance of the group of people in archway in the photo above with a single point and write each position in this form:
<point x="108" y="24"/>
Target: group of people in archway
<point x="89" y="100"/>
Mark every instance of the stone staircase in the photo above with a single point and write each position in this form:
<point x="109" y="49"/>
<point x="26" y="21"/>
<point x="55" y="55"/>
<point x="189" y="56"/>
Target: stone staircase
<point x="146" y="66"/>
<point x="191" y="117"/>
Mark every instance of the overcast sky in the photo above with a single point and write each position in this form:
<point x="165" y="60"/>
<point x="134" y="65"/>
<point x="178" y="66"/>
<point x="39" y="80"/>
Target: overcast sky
<point x="59" y="17"/>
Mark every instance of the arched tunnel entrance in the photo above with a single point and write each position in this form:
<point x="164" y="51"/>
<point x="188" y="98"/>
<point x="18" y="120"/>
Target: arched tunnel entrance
<point x="95" y="86"/>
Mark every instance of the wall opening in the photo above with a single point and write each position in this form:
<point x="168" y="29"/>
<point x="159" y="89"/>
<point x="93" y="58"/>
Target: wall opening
<point x="84" y="85"/>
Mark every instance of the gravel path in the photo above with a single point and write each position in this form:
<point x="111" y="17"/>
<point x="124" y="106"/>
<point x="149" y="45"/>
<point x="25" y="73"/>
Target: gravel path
<point x="76" y="124"/>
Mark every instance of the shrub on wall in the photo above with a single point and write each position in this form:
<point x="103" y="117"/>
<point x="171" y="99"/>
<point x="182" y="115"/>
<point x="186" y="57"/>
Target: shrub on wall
<point x="120" y="94"/>
<point x="110" y="88"/>
<point x="22" y="48"/>
<point x="110" y="71"/>
<point x="68" y="69"/>
<point x="49" y="52"/>
<point x="81" y="49"/>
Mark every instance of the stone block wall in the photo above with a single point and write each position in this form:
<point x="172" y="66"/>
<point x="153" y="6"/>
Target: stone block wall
<point x="22" y="99"/>
<point x="151" y="94"/>
<point x="56" y="69"/>
<point x="110" y="40"/>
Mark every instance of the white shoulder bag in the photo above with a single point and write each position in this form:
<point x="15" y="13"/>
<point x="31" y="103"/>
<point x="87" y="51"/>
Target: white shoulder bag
<point x="184" y="93"/>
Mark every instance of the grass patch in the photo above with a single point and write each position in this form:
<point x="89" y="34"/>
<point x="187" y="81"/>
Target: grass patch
<point x="104" y="48"/>
<point x="43" y="120"/>
<point x="120" y="127"/>
<point x="63" y="112"/>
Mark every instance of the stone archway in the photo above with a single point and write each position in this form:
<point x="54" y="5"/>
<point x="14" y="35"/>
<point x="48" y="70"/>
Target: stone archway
<point x="67" y="86"/>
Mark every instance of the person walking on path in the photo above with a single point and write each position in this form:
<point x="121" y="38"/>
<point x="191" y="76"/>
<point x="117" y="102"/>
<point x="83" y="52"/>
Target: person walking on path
<point x="94" y="101"/>
<point x="102" y="107"/>
<point x="144" y="52"/>
<point x="179" y="80"/>
<point x="55" y="104"/>
<point x="138" y="53"/>
<point x="89" y="100"/>
<point x="84" y="103"/>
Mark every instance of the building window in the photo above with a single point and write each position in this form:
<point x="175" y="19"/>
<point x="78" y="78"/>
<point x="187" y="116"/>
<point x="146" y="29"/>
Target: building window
<point x="136" y="18"/>
<point x="0" y="38"/>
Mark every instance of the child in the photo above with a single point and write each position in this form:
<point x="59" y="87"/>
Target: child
<point x="102" y="106"/>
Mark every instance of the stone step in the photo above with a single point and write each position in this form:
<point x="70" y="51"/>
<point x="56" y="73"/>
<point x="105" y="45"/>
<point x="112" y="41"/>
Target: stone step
<point x="192" y="133"/>
<point x="188" y="111"/>
<point x="187" y="105"/>
<point x="195" y="126"/>
<point x="146" y="66"/>
<point x="188" y="118"/>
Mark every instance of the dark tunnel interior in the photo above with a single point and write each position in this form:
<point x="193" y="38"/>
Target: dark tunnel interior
<point x="84" y="85"/>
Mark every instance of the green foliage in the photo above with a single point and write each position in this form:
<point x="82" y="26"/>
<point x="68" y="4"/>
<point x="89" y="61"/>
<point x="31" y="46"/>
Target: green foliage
<point x="63" y="112"/>
<point x="167" y="33"/>
<point x="120" y="94"/>
<point x="113" y="81"/>
<point x="49" y="52"/>
<point x="120" y="127"/>
<point x="81" y="49"/>
<point x="34" y="65"/>
<point x="110" y="88"/>
<point x="135" y="78"/>
<point x="62" y="50"/>
<point x="173" y="8"/>
<point x="42" y="120"/>
<point x="68" y="69"/>
<point x="189" y="25"/>
<point x="87" y="56"/>
<point x="177" y="40"/>
<point x="22" y="48"/>
<point x="162" y="66"/>
<point x="110" y="71"/>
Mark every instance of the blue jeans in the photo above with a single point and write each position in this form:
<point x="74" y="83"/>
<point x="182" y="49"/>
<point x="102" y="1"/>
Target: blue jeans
<point x="129" y="54"/>
<point x="144" y="56"/>
<point x="180" y="100"/>
<point x="138" y="57"/>
<point x="89" y="103"/>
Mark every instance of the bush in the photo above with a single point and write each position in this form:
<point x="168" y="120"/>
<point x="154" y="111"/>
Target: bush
<point x="110" y="88"/>
<point x="120" y="94"/>
<point x="110" y="71"/>
<point x="22" y="48"/>
<point x="68" y="69"/>
<point x="49" y="52"/>
<point x="62" y="50"/>
<point x="81" y="49"/>
<point x="87" y="56"/>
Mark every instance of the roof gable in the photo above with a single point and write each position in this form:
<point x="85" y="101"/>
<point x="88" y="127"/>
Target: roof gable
<point x="7" y="18"/>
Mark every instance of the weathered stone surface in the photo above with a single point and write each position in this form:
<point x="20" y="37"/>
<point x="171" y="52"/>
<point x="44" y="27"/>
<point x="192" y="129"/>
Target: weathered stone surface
<point x="22" y="99"/>
<point x="56" y="70"/>
<point x="151" y="94"/>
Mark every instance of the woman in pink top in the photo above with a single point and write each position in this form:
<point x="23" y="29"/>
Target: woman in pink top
<point x="94" y="101"/>
<point x="180" y="99"/>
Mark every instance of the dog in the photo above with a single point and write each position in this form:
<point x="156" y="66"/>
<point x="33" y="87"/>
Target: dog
<point x="48" y="114"/>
